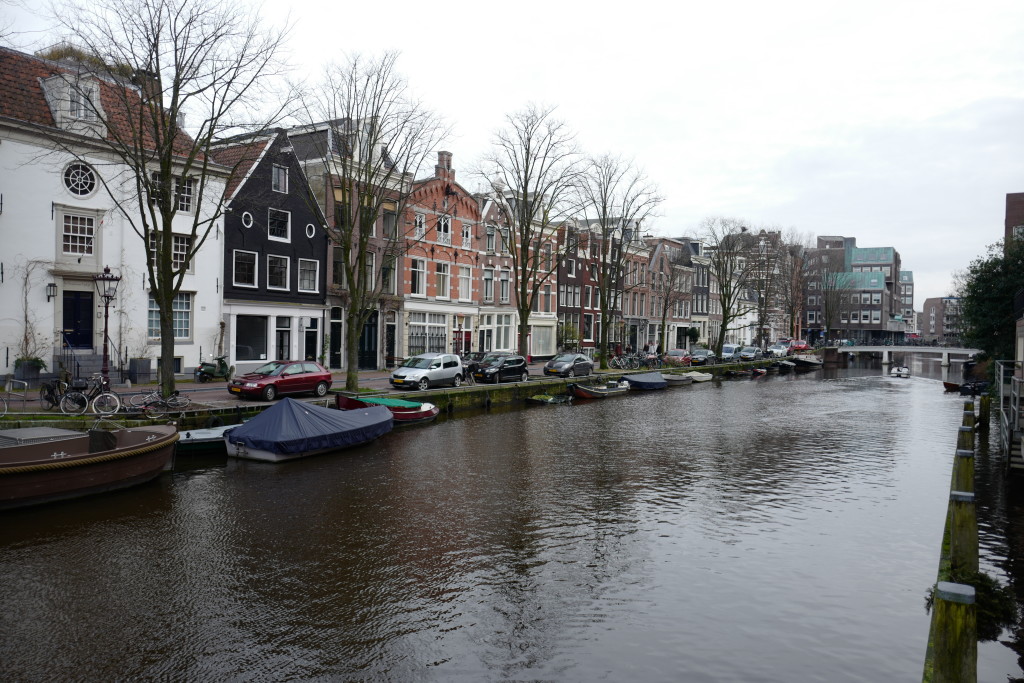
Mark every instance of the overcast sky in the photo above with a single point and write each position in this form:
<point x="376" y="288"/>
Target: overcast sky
<point x="898" y="123"/>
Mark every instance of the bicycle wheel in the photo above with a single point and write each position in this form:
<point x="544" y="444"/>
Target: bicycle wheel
<point x="155" y="409"/>
<point x="3" y="407"/>
<point x="74" y="403"/>
<point x="47" y="400"/>
<point x="106" y="404"/>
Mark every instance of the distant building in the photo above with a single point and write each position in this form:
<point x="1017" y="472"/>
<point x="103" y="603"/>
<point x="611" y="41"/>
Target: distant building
<point x="940" y="320"/>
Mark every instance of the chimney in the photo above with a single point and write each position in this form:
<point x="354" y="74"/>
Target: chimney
<point x="443" y="170"/>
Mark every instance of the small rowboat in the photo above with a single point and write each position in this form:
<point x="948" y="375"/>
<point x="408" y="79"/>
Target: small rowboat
<point x="951" y="386"/>
<point x="612" y="388"/>
<point x="678" y="380"/>
<point x="548" y="398"/>
<point x="404" y="412"/>
<point x="700" y="376"/>
<point x="646" y="381"/>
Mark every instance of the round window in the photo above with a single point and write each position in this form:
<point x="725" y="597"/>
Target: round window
<point x="310" y="230"/>
<point x="79" y="179"/>
<point x="246" y="219"/>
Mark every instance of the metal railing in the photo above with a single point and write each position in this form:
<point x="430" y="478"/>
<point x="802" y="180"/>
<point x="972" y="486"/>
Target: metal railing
<point x="1010" y="380"/>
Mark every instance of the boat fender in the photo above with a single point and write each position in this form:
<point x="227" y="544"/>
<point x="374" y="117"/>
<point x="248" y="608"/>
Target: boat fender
<point x="487" y="402"/>
<point x="450" y="408"/>
<point x="214" y="421"/>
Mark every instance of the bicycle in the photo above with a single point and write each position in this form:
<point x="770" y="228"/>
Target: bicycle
<point x="153" y="404"/>
<point x="50" y="395"/>
<point x="95" y="393"/>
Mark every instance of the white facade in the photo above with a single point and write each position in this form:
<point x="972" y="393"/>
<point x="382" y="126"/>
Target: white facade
<point x="61" y="227"/>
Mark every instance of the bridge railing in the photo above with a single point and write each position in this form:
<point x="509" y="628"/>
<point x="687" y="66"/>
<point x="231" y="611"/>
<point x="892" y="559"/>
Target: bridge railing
<point x="1010" y="381"/>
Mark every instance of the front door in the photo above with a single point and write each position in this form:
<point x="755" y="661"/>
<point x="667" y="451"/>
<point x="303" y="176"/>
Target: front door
<point x="368" y="344"/>
<point x="389" y="344"/>
<point x="78" y="317"/>
<point x="312" y="348"/>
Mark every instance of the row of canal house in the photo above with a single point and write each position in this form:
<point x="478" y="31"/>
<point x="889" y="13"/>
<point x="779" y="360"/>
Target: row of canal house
<point x="266" y="283"/>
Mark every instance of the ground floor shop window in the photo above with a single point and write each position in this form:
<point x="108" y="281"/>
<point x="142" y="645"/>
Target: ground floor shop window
<point x="251" y="337"/>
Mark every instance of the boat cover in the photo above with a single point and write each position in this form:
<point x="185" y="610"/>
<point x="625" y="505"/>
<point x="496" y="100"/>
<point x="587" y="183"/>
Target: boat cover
<point x="646" y="380"/>
<point x="390" y="402"/>
<point x="292" y="426"/>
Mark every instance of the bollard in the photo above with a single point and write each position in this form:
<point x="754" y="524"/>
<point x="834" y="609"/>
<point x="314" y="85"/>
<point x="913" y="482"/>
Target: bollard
<point x="955" y="621"/>
<point x="965" y="439"/>
<point x="963" y="533"/>
<point x="963" y="471"/>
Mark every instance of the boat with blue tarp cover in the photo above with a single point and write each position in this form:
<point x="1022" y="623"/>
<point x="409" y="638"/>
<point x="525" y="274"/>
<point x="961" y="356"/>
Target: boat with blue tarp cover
<point x="292" y="429"/>
<point x="646" y="381"/>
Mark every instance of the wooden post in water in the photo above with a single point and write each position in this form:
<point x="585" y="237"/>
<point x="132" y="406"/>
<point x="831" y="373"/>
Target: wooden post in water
<point x="956" y="634"/>
<point x="965" y="439"/>
<point x="985" y="413"/>
<point x="963" y="471"/>
<point x="963" y="533"/>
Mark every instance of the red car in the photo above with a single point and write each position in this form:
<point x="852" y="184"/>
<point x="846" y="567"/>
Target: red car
<point x="677" y="357"/>
<point x="281" y="377"/>
<point x="798" y="345"/>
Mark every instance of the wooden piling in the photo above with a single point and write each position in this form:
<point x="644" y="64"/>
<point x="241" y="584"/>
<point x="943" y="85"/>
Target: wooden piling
<point x="956" y="634"/>
<point x="963" y="533"/>
<point x="963" y="471"/>
<point x="984" y="413"/>
<point x="965" y="439"/>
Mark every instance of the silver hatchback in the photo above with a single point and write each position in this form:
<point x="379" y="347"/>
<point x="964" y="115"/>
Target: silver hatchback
<point x="427" y="370"/>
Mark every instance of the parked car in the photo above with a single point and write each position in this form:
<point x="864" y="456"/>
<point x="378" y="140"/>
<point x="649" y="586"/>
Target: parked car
<point x="730" y="353"/>
<point x="502" y="367"/>
<point x="677" y="357"/>
<point x="702" y="357"/>
<point x="778" y="351"/>
<point x="569" y="365"/>
<point x="751" y="353"/>
<point x="471" y="361"/>
<point x="427" y="370"/>
<point x="280" y="377"/>
<point x="798" y="345"/>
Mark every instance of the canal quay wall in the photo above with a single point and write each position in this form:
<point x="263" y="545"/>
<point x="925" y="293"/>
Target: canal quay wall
<point x="213" y="406"/>
<point x="952" y="653"/>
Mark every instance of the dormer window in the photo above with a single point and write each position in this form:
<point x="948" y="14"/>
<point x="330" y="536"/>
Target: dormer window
<point x="80" y="98"/>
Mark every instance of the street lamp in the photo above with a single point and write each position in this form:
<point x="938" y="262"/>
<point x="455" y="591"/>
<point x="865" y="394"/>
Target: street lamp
<point x="106" y="286"/>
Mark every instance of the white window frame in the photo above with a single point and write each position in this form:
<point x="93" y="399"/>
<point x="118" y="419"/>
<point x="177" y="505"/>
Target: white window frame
<point x="442" y="275"/>
<point x="316" y="275"/>
<point x="287" y="272"/>
<point x="488" y="285"/>
<point x="418" y="277"/>
<point x="153" y="321"/>
<point x="288" y="225"/>
<point x="419" y="226"/>
<point x="177" y="253"/>
<point x="255" y="269"/>
<point x="465" y="283"/>
<point x="278" y="174"/>
<point x="506" y="288"/>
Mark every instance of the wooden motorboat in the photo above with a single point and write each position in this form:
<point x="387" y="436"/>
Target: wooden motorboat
<point x="404" y="412"/>
<point x="678" y="380"/>
<point x="951" y="386"/>
<point x="292" y="429"/>
<point x="646" y="381"/>
<point x="548" y="398"/>
<point x="91" y="462"/>
<point x="611" y="388"/>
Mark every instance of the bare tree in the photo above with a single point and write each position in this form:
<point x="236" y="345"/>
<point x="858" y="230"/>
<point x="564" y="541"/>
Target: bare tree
<point x="671" y="280"/>
<point x="729" y="250"/>
<point x="531" y="173"/>
<point x="615" y="198"/>
<point x="766" y="255"/>
<point x="160" y="82"/>
<point x="834" y="285"/>
<point x="793" y="275"/>
<point x="366" y="138"/>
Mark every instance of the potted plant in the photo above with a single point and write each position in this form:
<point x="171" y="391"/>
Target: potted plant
<point x="27" y="368"/>
<point x="140" y="361"/>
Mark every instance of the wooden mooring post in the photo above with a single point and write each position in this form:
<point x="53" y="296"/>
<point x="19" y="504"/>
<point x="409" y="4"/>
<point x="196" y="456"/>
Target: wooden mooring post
<point x="953" y="638"/>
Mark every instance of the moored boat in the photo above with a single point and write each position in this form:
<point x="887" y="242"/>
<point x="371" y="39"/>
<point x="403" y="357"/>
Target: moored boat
<point x="700" y="376"/>
<point x="678" y="380"/>
<point x="292" y="429"/>
<point x="806" y="361"/>
<point x="548" y="398"/>
<point x="951" y="386"/>
<point x="92" y="462"/>
<point x="974" y="388"/>
<point x="208" y="440"/>
<point x="404" y="412"/>
<point x="611" y="388"/>
<point x="646" y="381"/>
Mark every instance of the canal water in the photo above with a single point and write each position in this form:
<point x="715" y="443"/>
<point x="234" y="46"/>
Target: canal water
<point x="779" y="529"/>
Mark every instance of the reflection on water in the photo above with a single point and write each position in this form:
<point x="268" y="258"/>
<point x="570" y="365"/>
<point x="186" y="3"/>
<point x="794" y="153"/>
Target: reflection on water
<point x="777" y="529"/>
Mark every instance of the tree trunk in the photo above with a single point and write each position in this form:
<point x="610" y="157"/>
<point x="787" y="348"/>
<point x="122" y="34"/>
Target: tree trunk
<point x="353" y="330"/>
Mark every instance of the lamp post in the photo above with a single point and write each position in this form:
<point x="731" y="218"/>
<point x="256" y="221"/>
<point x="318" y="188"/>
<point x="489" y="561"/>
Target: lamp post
<point x="106" y="286"/>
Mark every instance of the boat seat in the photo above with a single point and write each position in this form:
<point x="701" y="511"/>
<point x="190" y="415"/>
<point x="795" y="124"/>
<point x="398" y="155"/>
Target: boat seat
<point x="101" y="440"/>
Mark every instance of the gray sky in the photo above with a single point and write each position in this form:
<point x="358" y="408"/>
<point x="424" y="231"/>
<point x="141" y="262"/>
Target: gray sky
<point x="898" y="123"/>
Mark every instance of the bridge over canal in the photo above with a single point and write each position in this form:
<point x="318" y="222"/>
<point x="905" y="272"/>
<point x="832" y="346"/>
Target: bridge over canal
<point x="887" y="351"/>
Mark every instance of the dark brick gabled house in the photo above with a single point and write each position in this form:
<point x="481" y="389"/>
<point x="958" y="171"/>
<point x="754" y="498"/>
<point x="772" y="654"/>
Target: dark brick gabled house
<point x="275" y="255"/>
